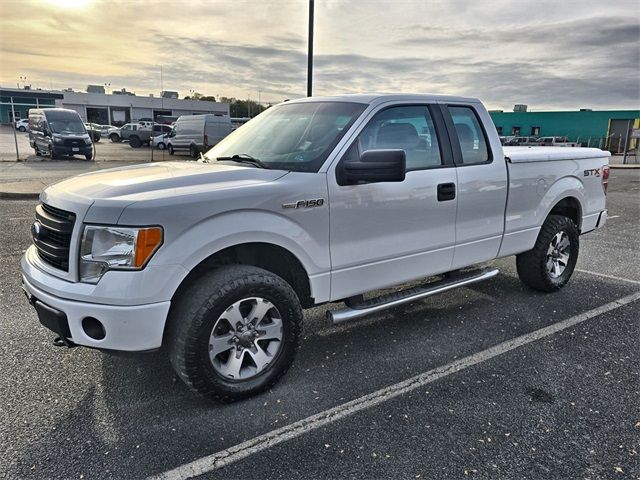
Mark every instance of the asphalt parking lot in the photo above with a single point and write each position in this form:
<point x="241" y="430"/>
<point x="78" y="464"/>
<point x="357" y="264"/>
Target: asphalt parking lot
<point x="464" y="385"/>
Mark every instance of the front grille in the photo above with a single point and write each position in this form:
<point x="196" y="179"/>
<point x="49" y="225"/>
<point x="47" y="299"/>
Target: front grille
<point x="51" y="235"/>
<point x="73" y="142"/>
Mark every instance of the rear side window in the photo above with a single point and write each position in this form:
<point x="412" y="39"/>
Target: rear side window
<point x="473" y="143"/>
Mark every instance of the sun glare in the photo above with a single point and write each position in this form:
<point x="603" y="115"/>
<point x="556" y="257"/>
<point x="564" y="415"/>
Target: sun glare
<point x="70" y="3"/>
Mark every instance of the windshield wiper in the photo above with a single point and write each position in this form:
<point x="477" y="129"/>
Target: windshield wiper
<point x="243" y="158"/>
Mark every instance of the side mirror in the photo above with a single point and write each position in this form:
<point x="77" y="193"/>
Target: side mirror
<point x="376" y="166"/>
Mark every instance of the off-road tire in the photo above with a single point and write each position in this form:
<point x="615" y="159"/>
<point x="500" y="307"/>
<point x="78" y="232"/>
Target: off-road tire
<point x="135" y="142"/>
<point x="115" y="138"/>
<point x="194" y="313"/>
<point x="531" y="265"/>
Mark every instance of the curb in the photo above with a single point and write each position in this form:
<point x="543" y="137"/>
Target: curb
<point x="624" y="166"/>
<point x="19" y="195"/>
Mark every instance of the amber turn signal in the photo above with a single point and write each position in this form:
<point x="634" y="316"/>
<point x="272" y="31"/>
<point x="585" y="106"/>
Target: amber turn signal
<point x="147" y="242"/>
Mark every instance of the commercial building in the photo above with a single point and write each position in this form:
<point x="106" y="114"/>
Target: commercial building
<point x="595" y="128"/>
<point x="20" y="101"/>
<point x="105" y="109"/>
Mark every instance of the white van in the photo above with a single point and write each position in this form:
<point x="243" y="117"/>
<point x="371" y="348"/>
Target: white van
<point x="198" y="133"/>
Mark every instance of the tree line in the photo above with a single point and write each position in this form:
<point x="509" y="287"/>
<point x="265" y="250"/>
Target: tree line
<point x="237" y="107"/>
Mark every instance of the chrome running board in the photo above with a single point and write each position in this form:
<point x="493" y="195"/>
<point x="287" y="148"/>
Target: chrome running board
<point x="395" y="299"/>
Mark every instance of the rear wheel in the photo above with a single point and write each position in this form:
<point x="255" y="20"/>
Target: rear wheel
<point x="234" y="332"/>
<point x="193" y="151"/>
<point x="550" y="264"/>
<point x="135" y="142"/>
<point x="171" y="150"/>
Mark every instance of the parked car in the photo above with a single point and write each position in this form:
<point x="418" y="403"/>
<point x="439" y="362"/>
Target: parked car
<point x="94" y="131"/>
<point x="140" y="134"/>
<point x="556" y="142"/>
<point x="106" y="130"/>
<point x="521" y="141"/>
<point x="160" y="141"/>
<point x="198" y="133"/>
<point x="58" y="132"/>
<point x="22" y="125"/>
<point x="314" y="201"/>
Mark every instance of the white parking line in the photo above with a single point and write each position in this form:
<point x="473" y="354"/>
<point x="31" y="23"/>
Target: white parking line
<point x="255" y="445"/>
<point x="612" y="277"/>
<point x="613" y="216"/>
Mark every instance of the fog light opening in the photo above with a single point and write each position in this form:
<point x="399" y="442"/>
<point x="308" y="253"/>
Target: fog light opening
<point x="93" y="328"/>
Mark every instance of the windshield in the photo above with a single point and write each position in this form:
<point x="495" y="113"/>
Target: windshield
<point x="294" y="136"/>
<point x="65" y="122"/>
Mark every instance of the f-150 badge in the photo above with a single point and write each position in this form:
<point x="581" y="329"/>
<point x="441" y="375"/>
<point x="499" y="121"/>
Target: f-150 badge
<point x="317" y="202"/>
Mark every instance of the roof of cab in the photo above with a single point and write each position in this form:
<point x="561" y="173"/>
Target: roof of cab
<point x="371" y="98"/>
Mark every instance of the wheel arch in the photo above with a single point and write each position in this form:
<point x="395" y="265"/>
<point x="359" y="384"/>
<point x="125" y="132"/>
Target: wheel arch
<point x="569" y="207"/>
<point x="269" y="256"/>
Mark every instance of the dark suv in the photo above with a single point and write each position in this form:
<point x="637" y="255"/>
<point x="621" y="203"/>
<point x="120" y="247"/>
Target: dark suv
<point x="58" y="132"/>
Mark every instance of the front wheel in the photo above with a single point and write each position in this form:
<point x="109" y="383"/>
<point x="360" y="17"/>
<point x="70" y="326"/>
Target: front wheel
<point x="22" y="129"/>
<point x="161" y="146"/>
<point x="115" y="138"/>
<point x="234" y="332"/>
<point x="550" y="264"/>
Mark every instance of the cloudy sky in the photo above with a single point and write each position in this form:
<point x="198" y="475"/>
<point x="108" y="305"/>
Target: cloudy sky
<point x="548" y="54"/>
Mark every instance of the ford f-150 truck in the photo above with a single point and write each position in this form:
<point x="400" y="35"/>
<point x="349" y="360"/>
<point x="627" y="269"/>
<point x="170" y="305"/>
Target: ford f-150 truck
<point x="314" y="201"/>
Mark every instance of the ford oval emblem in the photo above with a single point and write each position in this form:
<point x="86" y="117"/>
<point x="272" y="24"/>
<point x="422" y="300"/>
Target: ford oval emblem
<point x="35" y="230"/>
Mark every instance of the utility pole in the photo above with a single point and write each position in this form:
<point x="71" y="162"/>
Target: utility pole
<point x="310" y="51"/>
<point x="15" y="136"/>
<point x="626" y="142"/>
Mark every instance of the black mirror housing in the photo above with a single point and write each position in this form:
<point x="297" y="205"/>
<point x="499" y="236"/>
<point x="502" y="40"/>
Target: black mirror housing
<point x="376" y="166"/>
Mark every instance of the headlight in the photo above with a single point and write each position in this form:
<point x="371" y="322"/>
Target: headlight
<point x="116" y="248"/>
<point x="87" y="141"/>
<point x="57" y="140"/>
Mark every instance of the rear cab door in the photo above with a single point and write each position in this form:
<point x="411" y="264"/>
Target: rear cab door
<point x="482" y="182"/>
<point x="386" y="233"/>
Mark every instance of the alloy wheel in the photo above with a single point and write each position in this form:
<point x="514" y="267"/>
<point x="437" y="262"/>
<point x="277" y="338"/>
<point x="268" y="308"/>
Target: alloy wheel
<point x="245" y="339"/>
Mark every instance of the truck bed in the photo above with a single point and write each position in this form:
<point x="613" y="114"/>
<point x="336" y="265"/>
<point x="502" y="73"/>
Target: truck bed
<point x="550" y="154"/>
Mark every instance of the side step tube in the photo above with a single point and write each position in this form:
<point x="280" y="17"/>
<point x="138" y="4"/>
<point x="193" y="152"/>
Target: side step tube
<point x="411" y="295"/>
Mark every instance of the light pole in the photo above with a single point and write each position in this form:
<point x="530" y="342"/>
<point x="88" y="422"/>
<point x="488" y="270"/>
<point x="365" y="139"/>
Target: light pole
<point x="310" y="51"/>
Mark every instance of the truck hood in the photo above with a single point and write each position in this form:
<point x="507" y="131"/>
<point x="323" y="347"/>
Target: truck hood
<point x="152" y="180"/>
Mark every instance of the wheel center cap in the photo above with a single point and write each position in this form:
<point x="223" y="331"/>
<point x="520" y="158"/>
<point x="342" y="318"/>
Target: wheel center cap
<point x="246" y="338"/>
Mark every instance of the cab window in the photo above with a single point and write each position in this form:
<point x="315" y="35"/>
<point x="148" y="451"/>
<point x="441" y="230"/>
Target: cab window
<point x="473" y="144"/>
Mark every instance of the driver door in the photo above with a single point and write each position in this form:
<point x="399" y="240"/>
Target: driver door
<point x="383" y="234"/>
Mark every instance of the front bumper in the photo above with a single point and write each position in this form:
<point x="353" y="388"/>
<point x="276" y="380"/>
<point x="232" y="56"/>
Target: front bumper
<point x="128" y="326"/>
<point x="64" y="150"/>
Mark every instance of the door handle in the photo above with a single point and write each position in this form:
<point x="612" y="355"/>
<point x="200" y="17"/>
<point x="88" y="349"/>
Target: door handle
<point x="446" y="191"/>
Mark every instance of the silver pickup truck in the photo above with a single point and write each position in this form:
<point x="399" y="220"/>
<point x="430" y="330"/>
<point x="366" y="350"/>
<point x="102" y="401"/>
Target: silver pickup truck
<point x="320" y="200"/>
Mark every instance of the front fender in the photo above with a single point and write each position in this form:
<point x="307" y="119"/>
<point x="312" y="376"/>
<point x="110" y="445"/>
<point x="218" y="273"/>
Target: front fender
<point x="228" y="229"/>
